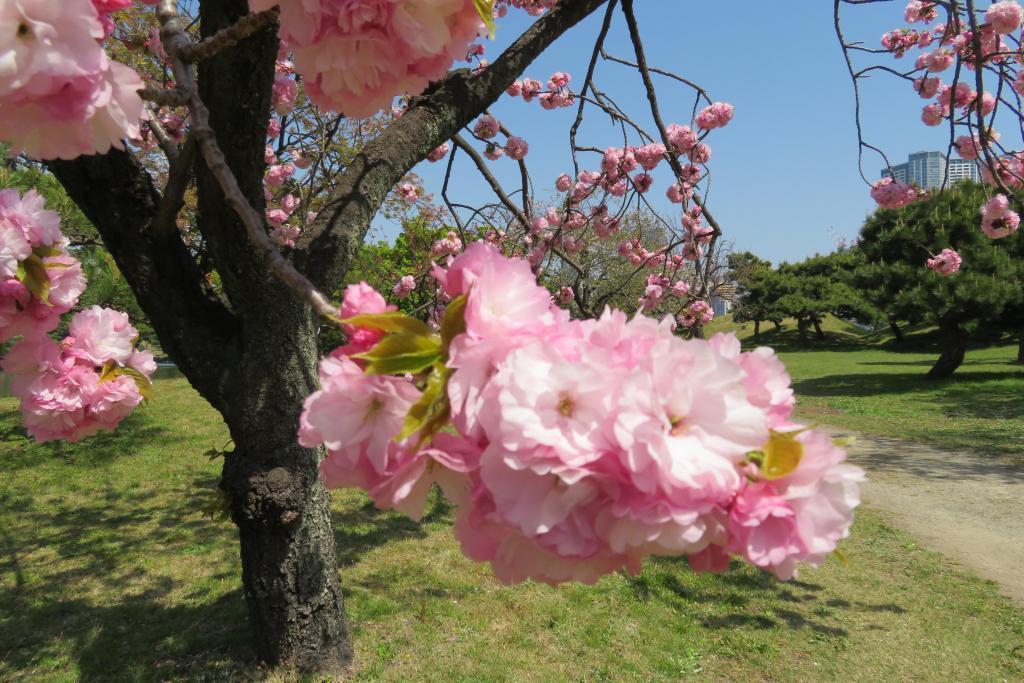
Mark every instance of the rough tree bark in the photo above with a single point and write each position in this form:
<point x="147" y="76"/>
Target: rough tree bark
<point x="251" y="349"/>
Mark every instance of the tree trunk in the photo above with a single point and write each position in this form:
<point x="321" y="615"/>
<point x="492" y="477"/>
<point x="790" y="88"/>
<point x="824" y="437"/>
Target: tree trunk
<point x="1020" y="345"/>
<point x="953" y="351"/>
<point x="698" y="332"/>
<point x="801" y="327"/>
<point x="289" y="563"/>
<point x="778" y="325"/>
<point x="249" y="349"/>
<point x="897" y="333"/>
<point x="819" y="333"/>
<point x="757" y="330"/>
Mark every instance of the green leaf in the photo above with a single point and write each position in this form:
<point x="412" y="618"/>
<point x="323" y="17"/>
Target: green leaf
<point x="389" y="322"/>
<point x="398" y="354"/>
<point x="35" y="278"/>
<point x="486" y="10"/>
<point x="141" y="381"/>
<point x="454" y="322"/>
<point x="42" y="251"/>
<point x="433" y="401"/>
<point x="112" y="371"/>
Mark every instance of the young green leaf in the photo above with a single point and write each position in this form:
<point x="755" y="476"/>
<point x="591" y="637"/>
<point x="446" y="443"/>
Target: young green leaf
<point x="398" y="354"/>
<point x="454" y="322"/>
<point x="35" y="278"/>
<point x="429" y="404"/>
<point x="393" y="322"/>
<point x="486" y="10"/>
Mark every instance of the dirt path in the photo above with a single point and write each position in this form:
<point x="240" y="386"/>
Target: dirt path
<point x="958" y="504"/>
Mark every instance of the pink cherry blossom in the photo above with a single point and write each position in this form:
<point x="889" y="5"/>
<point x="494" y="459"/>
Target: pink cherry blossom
<point x="559" y="80"/>
<point x="932" y="114"/>
<point x="359" y="299"/>
<point x="439" y="153"/>
<point x="278" y="173"/>
<point x="698" y="312"/>
<point x="681" y="138"/>
<point x="486" y="127"/>
<point x="714" y="116"/>
<point x="516" y="148"/>
<point x="60" y="94"/>
<point x="893" y="194"/>
<point x="404" y="287"/>
<point x="284" y="93"/>
<point x="927" y="87"/>
<point x="579" y="448"/>
<point x="100" y="335"/>
<point x="997" y="220"/>
<point x="939" y="60"/>
<point x="946" y="263"/>
<point x="1004" y="17"/>
<point x="356" y="58"/>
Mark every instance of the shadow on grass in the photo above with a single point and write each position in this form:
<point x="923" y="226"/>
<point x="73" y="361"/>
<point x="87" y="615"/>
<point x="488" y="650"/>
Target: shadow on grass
<point x="789" y="341"/>
<point x="908" y="383"/>
<point x="358" y="531"/>
<point x="86" y="601"/>
<point x="20" y="451"/>
<point x="746" y="598"/>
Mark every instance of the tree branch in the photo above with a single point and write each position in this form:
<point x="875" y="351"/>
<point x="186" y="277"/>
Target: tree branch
<point x="196" y="330"/>
<point x="437" y="115"/>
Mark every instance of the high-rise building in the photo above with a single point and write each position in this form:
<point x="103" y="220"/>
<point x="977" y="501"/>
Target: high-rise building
<point x="928" y="170"/>
<point x="962" y="169"/>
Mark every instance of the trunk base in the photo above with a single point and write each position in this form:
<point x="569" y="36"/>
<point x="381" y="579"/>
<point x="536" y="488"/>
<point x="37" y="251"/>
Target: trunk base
<point x="951" y="359"/>
<point x="289" y="564"/>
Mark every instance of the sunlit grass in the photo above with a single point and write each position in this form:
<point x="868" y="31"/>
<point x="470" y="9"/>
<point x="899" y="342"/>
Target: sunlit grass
<point x="110" y="571"/>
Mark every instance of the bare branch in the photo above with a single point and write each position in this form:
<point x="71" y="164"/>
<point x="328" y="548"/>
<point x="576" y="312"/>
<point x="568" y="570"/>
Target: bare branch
<point x="227" y="37"/>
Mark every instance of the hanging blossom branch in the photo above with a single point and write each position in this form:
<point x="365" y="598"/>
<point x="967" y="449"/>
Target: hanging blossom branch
<point x="652" y="98"/>
<point x="176" y="41"/>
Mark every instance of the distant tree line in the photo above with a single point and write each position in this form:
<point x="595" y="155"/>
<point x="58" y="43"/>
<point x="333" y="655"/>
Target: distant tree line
<point x="882" y="280"/>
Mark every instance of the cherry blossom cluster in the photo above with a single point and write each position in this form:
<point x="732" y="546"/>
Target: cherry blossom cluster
<point x="356" y="57"/>
<point x="95" y="377"/>
<point x="532" y="7"/>
<point x="660" y="286"/>
<point x="945" y="263"/>
<point x="997" y="220"/>
<point x="576" y="448"/>
<point x="89" y="382"/>
<point x="60" y="94"/>
<point x="890" y="193"/>
<point x="989" y="43"/>
<point x="699" y="312"/>
<point x="555" y="96"/>
<point x="39" y="279"/>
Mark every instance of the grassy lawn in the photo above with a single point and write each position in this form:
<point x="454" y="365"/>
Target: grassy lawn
<point x="860" y="382"/>
<point x="110" y="571"/>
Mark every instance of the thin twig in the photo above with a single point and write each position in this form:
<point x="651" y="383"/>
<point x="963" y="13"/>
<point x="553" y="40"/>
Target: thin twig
<point x="175" y="40"/>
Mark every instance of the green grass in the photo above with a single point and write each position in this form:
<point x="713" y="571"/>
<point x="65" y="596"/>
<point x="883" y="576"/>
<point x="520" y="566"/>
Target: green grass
<point x="110" y="571"/>
<point x="861" y="381"/>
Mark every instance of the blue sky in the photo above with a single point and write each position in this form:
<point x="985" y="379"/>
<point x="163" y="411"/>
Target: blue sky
<point x="785" y="183"/>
